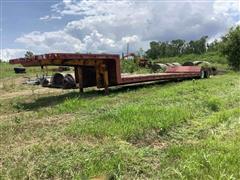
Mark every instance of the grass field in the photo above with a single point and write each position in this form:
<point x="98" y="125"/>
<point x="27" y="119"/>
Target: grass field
<point x="185" y="130"/>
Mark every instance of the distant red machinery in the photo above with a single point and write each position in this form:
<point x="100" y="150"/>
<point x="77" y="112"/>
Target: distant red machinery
<point x="103" y="70"/>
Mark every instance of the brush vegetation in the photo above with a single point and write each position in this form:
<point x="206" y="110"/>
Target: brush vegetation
<point x="225" y="50"/>
<point x="187" y="130"/>
<point x="212" y="57"/>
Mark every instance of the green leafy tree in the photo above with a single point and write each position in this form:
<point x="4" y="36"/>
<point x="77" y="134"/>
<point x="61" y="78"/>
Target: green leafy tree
<point x="153" y="52"/>
<point x="213" y="46"/>
<point x="176" y="48"/>
<point x="29" y="54"/>
<point x="230" y="47"/>
<point x="197" y="47"/>
<point x="202" y="45"/>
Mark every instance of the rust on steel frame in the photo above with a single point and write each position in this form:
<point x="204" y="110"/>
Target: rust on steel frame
<point x="103" y="70"/>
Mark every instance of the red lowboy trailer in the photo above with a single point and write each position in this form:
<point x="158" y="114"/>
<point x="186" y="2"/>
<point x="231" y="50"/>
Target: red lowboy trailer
<point x="103" y="70"/>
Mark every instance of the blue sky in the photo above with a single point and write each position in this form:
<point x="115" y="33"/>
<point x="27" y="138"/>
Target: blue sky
<point x="20" y="17"/>
<point x="108" y="25"/>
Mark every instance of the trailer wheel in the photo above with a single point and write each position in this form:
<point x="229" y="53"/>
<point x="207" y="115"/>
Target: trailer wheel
<point x="206" y="74"/>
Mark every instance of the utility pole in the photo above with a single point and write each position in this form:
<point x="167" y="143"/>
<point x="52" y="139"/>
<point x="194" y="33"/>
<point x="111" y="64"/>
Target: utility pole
<point x="127" y="48"/>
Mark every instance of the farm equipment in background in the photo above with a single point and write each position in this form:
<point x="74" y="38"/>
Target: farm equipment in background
<point x="61" y="69"/>
<point x="140" y="61"/>
<point x="19" y="70"/>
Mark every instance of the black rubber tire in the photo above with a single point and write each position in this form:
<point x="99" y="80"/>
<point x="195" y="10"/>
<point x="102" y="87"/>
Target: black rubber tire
<point x="69" y="82"/>
<point x="57" y="80"/>
<point x="44" y="82"/>
<point x="206" y="74"/>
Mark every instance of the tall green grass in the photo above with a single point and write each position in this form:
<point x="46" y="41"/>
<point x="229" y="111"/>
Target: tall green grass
<point x="187" y="130"/>
<point x="131" y="66"/>
<point x="7" y="71"/>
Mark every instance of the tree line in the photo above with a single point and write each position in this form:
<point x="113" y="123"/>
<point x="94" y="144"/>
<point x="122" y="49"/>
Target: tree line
<point x="228" y="45"/>
<point x="176" y="48"/>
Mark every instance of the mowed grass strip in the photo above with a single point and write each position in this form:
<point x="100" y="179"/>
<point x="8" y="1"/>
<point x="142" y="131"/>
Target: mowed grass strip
<point x="212" y="152"/>
<point x="182" y="122"/>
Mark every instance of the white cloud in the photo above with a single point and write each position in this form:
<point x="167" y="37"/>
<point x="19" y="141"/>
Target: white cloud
<point x="227" y="8"/>
<point x="97" y="42"/>
<point x="107" y="25"/>
<point x="131" y="39"/>
<point x="6" y="54"/>
<point x="49" y="18"/>
<point x="56" y="41"/>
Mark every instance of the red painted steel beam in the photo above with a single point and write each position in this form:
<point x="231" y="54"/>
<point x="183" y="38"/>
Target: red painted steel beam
<point x="183" y="69"/>
<point x="61" y="59"/>
<point x="158" y="77"/>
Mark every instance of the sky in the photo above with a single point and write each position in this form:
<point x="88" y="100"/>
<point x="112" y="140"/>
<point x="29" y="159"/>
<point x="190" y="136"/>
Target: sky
<point x="107" y="26"/>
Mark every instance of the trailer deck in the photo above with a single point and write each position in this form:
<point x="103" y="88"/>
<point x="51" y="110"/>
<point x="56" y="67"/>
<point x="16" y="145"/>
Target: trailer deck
<point x="103" y="70"/>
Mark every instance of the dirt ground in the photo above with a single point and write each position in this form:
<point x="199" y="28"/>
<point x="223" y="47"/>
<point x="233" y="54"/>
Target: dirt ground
<point x="16" y="87"/>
